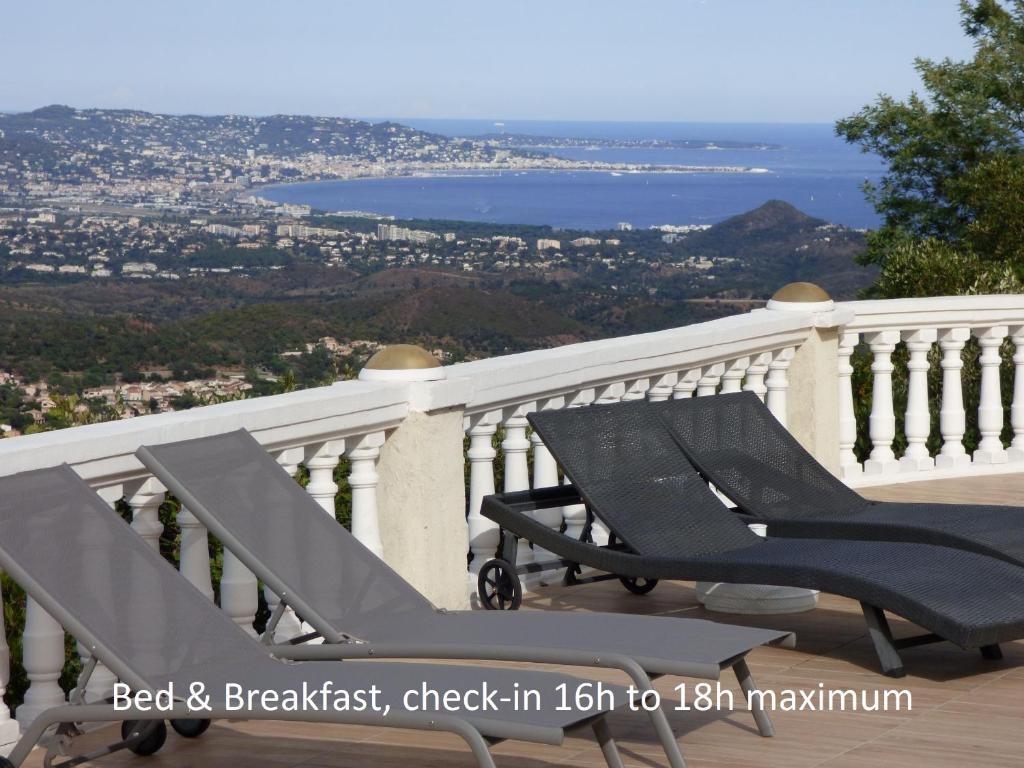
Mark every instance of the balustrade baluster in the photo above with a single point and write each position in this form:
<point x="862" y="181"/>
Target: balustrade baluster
<point x="363" y="481"/>
<point x="101" y="682"/>
<point x="194" y="560"/>
<point x="777" y="384"/>
<point x="636" y="390"/>
<point x="917" y="420"/>
<point x="686" y="385"/>
<point x="1016" y="450"/>
<point x="732" y="377"/>
<point x="708" y="383"/>
<point x="662" y="387"/>
<point x="609" y="394"/>
<point x="575" y="515"/>
<point x="289" y="625"/>
<point x="483" y="533"/>
<point x="239" y="592"/>
<point x="43" y="659"/>
<point x="990" y="409"/>
<point x="517" y="471"/>
<point x="545" y="475"/>
<point x="756" y="372"/>
<point x="882" y="422"/>
<point x="952" y="417"/>
<point x="848" y="464"/>
<point x="321" y="460"/>
<point x="145" y="499"/>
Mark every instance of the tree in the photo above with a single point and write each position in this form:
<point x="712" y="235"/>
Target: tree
<point x="955" y="178"/>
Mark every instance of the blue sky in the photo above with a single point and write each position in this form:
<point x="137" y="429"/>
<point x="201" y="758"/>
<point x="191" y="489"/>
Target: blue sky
<point x="673" y="60"/>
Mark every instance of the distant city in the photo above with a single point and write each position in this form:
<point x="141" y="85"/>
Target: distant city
<point x="66" y="157"/>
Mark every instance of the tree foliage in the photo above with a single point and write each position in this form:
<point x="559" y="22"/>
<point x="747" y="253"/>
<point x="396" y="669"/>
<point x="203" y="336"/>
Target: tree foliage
<point x="955" y="159"/>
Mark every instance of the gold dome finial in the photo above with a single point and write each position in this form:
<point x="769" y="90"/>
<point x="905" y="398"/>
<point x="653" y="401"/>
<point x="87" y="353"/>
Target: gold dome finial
<point x="801" y="296"/>
<point x="404" y="362"/>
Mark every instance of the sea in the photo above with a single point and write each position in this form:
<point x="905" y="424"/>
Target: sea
<point x="812" y="169"/>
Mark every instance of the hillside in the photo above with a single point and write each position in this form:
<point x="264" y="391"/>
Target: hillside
<point x="52" y="325"/>
<point x="465" y="319"/>
<point x="777" y="243"/>
<point x="123" y="130"/>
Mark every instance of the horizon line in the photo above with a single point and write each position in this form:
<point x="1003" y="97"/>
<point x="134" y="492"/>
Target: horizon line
<point x="381" y="118"/>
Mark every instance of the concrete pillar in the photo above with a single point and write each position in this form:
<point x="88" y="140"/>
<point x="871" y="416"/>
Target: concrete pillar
<point x="812" y="412"/>
<point x="421" y="491"/>
<point x="421" y="505"/>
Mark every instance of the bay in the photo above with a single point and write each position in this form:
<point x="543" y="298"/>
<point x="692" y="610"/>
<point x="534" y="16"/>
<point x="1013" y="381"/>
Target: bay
<point x="812" y="169"/>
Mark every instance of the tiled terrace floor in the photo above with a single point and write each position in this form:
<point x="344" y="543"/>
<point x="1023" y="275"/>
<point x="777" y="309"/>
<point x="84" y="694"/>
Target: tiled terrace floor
<point x="966" y="711"/>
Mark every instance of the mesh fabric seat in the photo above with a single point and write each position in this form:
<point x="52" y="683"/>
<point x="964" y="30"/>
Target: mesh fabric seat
<point x="629" y="471"/>
<point x="84" y="565"/>
<point x="737" y="444"/>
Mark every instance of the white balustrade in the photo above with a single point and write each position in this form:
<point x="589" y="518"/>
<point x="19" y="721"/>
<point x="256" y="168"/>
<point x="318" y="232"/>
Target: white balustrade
<point x="515" y="447"/>
<point x="882" y="422"/>
<point x="709" y="380"/>
<point x="848" y="464"/>
<point x="545" y="475"/>
<point x="363" y="481"/>
<point x="732" y="378"/>
<point x="917" y="420"/>
<point x="952" y="417"/>
<point x="756" y="372"/>
<point x="687" y="384"/>
<point x="1016" y="450"/>
<point x="777" y="384"/>
<point x="351" y="419"/>
<point x="990" y="409"/>
<point x="483" y="533"/>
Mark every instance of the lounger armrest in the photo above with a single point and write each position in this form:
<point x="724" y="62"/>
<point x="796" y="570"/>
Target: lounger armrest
<point x="536" y="498"/>
<point x="514" y="652"/>
<point x="509" y="511"/>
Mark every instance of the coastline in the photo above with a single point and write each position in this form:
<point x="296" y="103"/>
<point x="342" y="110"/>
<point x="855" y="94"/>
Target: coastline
<point x="632" y="169"/>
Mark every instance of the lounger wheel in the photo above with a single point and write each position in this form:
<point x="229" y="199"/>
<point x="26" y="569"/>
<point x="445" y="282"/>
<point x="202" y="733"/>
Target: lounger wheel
<point x="149" y="745"/>
<point x="498" y="586"/>
<point x="638" y="585"/>
<point x="190" y="728"/>
<point x="5" y="763"/>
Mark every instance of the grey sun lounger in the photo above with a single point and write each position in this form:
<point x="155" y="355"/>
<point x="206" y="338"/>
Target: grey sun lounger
<point x="361" y="607"/>
<point x="737" y="444"/>
<point x="83" y="564"/>
<point x="666" y="523"/>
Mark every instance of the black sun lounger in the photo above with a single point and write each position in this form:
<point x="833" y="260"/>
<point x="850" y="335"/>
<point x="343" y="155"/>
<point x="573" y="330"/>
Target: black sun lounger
<point x="666" y="523"/>
<point x="737" y="444"/>
<point x="80" y="561"/>
<point x="346" y="593"/>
